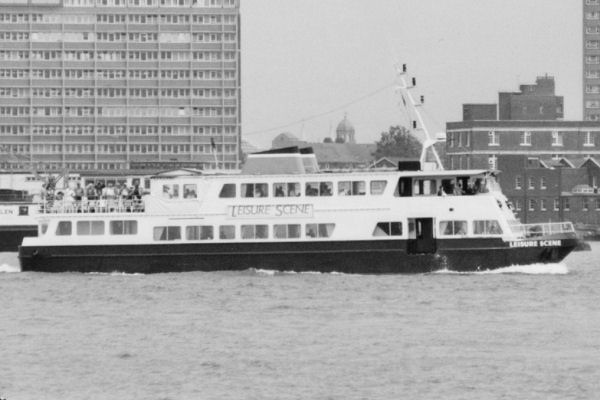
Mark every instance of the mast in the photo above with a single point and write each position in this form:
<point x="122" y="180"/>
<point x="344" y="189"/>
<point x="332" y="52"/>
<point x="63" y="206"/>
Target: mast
<point x="412" y="106"/>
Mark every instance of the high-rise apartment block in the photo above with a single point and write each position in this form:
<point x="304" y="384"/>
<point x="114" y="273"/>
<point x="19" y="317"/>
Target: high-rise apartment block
<point x="591" y="60"/>
<point x="107" y="84"/>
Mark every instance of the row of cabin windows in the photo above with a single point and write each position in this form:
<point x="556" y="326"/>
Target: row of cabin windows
<point x="95" y="228"/>
<point x="246" y="232"/>
<point x="190" y="191"/>
<point x="460" y="228"/>
<point x="311" y="189"/>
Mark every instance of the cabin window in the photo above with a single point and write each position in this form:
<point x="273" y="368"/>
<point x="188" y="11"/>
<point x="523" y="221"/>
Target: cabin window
<point x="123" y="227"/>
<point x="352" y="188"/>
<point x="286" y="189"/>
<point x="378" y="187"/>
<point x="167" y="233"/>
<point x="170" y="191"/>
<point x="487" y="227"/>
<point x="227" y="191"/>
<point x="190" y="191"/>
<point x="43" y="228"/>
<point x="453" y="228"/>
<point x="90" y="228"/>
<point x="64" y="228"/>
<point x="255" y="190"/>
<point x="226" y="232"/>
<point x="404" y="188"/>
<point x="319" y="188"/>
<point x="205" y="232"/>
<point x="319" y="230"/>
<point x="255" y="231"/>
<point x="388" y="229"/>
<point x="286" y="231"/>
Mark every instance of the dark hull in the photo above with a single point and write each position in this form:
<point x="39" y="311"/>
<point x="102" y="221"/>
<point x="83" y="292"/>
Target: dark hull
<point x="11" y="237"/>
<point x="362" y="257"/>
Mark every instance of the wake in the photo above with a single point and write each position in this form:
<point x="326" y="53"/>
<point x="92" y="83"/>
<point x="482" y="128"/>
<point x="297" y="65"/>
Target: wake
<point x="531" y="269"/>
<point x="6" y="268"/>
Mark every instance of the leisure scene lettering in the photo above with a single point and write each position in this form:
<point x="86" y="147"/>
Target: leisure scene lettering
<point x="271" y="210"/>
<point x="536" y="243"/>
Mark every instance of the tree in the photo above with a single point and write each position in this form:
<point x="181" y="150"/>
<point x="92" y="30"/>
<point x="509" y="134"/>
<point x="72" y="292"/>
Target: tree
<point x="398" y="142"/>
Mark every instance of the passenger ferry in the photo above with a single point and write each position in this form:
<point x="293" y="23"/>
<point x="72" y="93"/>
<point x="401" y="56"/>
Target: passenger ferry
<point x="282" y="214"/>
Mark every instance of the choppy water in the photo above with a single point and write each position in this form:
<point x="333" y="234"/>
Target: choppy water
<point x="520" y="333"/>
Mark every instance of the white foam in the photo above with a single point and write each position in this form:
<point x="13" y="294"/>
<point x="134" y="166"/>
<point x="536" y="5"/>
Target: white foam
<point x="9" y="268"/>
<point x="531" y="269"/>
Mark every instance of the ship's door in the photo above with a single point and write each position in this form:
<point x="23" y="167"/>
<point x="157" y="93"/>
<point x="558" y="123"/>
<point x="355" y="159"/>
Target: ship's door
<point x="421" y="236"/>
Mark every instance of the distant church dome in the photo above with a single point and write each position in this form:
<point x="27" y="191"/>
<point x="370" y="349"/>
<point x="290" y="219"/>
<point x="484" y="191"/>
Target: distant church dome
<point x="344" y="132"/>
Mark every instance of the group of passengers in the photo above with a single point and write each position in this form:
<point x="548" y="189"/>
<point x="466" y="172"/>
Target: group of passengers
<point x="464" y="187"/>
<point x="99" y="197"/>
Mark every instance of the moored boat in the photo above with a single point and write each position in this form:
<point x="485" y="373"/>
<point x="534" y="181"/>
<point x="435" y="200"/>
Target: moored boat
<point x="281" y="213"/>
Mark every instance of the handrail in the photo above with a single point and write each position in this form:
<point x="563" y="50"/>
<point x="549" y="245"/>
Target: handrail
<point x="92" y="206"/>
<point x="542" y="229"/>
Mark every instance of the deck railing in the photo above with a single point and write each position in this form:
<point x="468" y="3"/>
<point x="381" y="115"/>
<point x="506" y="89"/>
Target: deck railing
<point x="92" y="206"/>
<point x="543" y="229"/>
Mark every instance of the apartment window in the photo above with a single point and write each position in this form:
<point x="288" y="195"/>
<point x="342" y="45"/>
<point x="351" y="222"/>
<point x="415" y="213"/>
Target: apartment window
<point x="592" y="15"/>
<point x="556" y="205"/>
<point x="592" y="59"/>
<point x="597" y="201"/>
<point x="589" y="139"/>
<point x="531" y="204"/>
<point x="518" y="182"/>
<point x="526" y="138"/>
<point x="543" y="204"/>
<point x="592" y="2"/>
<point x="530" y="184"/>
<point x="518" y="205"/>
<point x="493" y="162"/>
<point x="543" y="183"/>
<point x="557" y="138"/>
<point x="494" y="139"/>
<point x="585" y="204"/>
<point x="566" y="204"/>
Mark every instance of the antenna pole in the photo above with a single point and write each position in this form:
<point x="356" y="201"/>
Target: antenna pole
<point x="404" y="88"/>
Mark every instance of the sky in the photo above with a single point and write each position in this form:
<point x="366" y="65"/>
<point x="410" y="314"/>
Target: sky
<point x="305" y="63"/>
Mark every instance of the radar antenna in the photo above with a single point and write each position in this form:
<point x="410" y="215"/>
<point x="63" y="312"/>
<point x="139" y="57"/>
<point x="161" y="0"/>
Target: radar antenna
<point x="417" y="124"/>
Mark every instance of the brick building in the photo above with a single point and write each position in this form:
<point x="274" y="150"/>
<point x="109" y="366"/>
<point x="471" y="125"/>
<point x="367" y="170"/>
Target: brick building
<point x="549" y="168"/>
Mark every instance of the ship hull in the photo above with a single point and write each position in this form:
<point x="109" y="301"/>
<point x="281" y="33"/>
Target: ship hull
<point x="359" y="257"/>
<point x="11" y="236"/>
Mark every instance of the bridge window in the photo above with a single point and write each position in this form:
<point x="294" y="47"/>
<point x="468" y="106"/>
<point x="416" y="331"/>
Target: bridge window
<point x="190" y="191"/>
<point x="388" y="229"/>
<point x="255" y="231"/>
<point x="319" y="188"/>
<point x="286" y="189"/>
<point x="205" y="232"/>
<point x="90" y="228"/>
<point x="286" y="231"/>
<point x="319" y="230"/>
<point x="487" y="227"/>
<point x="64" y="228"/>
<point x="425" y="187"/>
<point x="352" y="188"/>
<point x="378" y="187"/>
<point x="123" y="227"/>
<point x="227" y="191"/>
<point x="167" y="233"/>
<point x="453" y="228"/>
<point x="227" y="232"/>
<point x="255" y="190"/>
